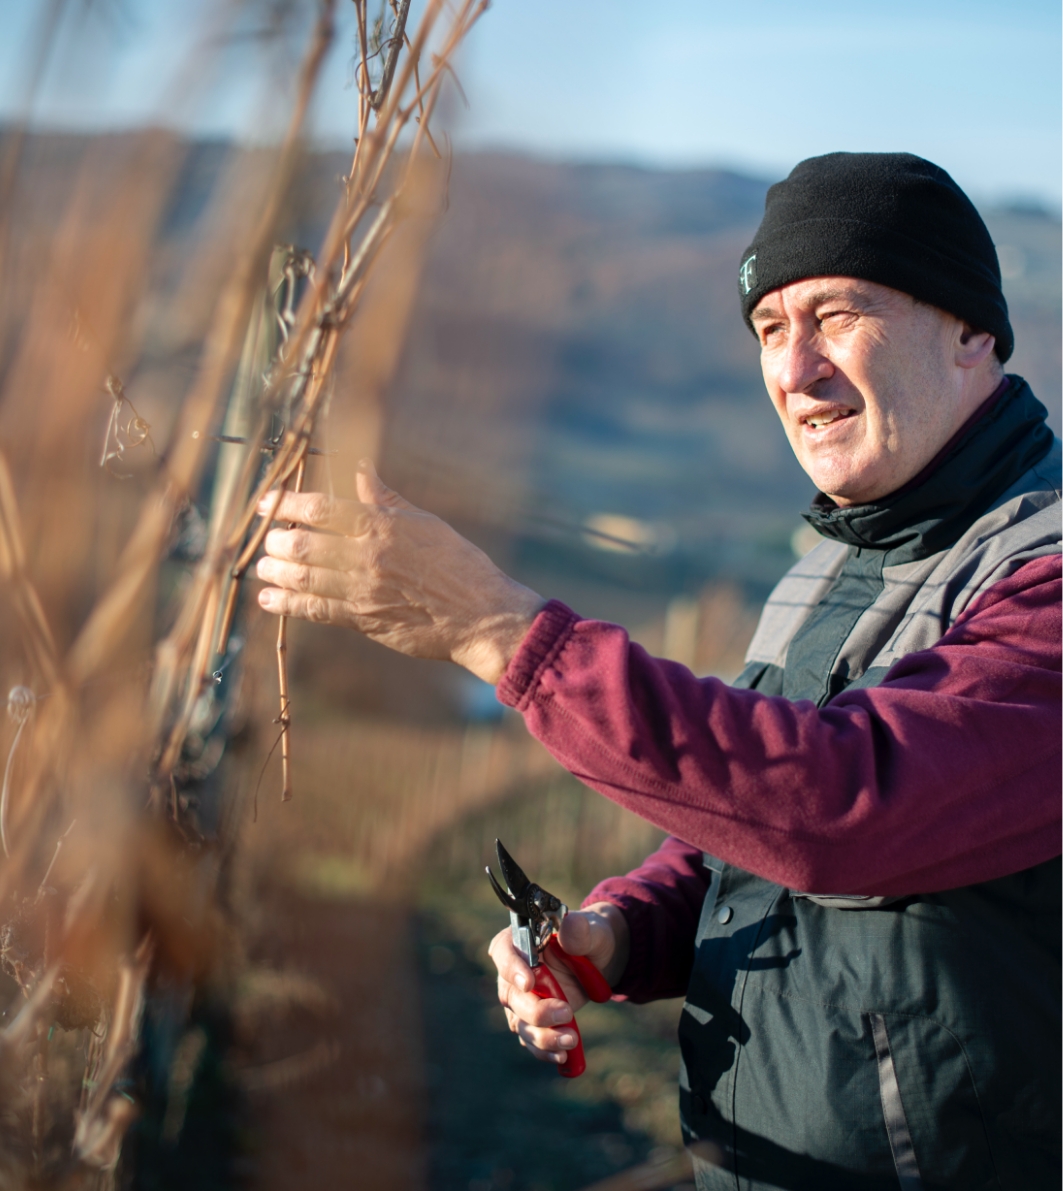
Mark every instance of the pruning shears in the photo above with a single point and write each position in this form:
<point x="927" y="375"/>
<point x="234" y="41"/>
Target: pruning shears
<point x="535" y="919"/>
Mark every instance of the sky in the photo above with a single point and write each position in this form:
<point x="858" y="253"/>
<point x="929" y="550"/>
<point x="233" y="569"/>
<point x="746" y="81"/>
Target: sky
<point x="972" y="84"/>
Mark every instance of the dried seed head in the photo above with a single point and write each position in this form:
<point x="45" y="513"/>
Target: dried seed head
<point x="20" y="701"/>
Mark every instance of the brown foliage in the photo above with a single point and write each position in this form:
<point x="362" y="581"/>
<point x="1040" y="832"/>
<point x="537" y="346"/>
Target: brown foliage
<point x="110" y="882"/>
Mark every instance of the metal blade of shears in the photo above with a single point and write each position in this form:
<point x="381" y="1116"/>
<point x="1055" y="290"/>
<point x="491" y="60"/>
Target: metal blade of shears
<point x="512" y="872"/>
<point x="519" y="924"/>
<point x="505" y="898"/>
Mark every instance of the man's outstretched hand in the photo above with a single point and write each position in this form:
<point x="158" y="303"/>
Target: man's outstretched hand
<point x="395" y="573"/>
<point x="600" y="932"/>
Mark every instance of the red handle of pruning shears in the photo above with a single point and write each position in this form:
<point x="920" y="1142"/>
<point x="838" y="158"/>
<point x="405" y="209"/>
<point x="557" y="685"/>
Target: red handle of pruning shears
<point x="535" y="916"/>
<point x="594" y="985"/>
<point x="546" y="985"/>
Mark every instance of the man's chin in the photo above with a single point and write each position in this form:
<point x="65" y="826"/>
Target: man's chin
<point x="850" y="473"/>
<point x="843" y="487"/>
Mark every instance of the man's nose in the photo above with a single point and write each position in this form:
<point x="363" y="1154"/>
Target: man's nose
<point x="803" y="364"/>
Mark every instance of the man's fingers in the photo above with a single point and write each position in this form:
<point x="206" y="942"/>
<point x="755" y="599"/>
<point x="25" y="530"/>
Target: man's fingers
<point x="512" y="970"/>
<point x="532" y="1010"/>
<point x="539" y="1023"/>
<point x="543" y="1013"/>
<point x="294" y="577"/>
<point x="313" y="549"/>
<point x="305" y="607"/>
<point x="526" y="1006"/>
<point x="551" y="1046"/>
<point x="319" y="511"/>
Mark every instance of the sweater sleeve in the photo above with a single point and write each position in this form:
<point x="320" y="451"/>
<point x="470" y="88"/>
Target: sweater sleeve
<point x="661" y="901"/>
<point x="946" y="774"/>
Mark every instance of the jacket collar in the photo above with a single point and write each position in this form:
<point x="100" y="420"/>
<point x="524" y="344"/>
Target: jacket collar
<point x="932" y="512"/>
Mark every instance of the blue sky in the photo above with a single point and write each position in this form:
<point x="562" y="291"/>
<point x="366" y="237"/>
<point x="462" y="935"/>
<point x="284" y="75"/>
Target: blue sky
<point x="972" y="84"/>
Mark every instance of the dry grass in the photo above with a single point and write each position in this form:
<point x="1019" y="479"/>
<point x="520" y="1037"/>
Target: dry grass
<point x="109" y="883"/>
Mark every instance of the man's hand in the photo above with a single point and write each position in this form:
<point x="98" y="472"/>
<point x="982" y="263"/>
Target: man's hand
<point x="601" y="934"/>
<point x="395" y="573"/>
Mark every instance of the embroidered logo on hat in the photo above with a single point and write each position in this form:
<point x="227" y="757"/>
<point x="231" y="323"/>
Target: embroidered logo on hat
<point x="747" y="275"/>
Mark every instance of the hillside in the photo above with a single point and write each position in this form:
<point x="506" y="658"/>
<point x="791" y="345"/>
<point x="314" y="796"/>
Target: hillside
<point x="577" y="356"/>
<point x="577" y="391"/>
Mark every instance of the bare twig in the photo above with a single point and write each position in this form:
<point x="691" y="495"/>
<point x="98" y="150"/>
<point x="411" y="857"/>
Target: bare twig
<point x="55" y="856"/>
<point x="24" y="1027"/>
<point x="83" y="746"/>
<point x="398" y="36"/>
<point x="20" y="702"/>
<point x="103" y="629"/>
<point x="39" y="640"/>
<point x="285" y="718"/>
<point x="105" y="1117"/>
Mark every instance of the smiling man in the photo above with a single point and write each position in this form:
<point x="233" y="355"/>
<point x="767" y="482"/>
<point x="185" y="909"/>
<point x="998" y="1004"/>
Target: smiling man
<point x="860" y="895"/>
<point x="848" y="365"/>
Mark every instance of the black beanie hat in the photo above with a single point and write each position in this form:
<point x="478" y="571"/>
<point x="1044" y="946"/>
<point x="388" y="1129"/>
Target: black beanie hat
<point x="887" y="217"/>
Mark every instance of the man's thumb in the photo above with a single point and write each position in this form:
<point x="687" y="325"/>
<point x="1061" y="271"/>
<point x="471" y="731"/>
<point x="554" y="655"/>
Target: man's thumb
<point x="576" y="935"/>
<point x="373" y="491"/>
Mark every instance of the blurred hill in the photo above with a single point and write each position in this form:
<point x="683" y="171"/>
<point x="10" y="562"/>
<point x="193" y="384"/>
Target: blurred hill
<point x="577" y="392"/>
<point x="578" y="350"/>
<point x="587" y="314"/>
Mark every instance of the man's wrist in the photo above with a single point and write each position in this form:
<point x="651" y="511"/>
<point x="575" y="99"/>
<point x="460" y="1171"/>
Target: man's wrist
<point x="497" y="636"/>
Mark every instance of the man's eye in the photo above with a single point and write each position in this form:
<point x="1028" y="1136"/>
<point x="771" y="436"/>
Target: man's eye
<point x="834" y="317"/>
<point x="772" y="330"/>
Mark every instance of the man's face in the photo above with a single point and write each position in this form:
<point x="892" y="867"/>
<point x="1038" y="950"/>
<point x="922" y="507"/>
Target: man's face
<point x="864" y="379"/>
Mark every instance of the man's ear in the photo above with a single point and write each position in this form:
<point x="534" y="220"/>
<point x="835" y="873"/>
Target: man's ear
<point x="973" y="347"/>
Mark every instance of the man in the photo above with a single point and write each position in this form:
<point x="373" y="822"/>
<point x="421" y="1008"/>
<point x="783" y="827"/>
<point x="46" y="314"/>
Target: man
<point x="860" y="897"/>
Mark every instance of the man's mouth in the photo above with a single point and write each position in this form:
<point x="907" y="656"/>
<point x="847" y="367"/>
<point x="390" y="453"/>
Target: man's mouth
<point x="826" y="417"/>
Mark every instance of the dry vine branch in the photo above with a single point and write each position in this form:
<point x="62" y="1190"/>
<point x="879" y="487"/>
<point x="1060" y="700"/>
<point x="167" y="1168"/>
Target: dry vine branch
<point x="39" y="640"/>
<point x="306" y="358"/>
<point x="398" y="35"/>
<point x="285" y="719"/>
<point x="20" y="701"/>
<point x="102" y="631"/>
<point x="93" y="740"/>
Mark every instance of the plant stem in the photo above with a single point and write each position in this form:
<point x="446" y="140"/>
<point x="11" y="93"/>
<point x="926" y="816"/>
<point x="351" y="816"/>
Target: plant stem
<point x="285" y="719"/>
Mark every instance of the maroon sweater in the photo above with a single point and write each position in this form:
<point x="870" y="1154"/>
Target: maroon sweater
<point x="946" y="774"/>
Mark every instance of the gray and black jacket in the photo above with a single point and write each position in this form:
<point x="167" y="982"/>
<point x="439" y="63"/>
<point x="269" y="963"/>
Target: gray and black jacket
<point x="874" y="1043"/>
